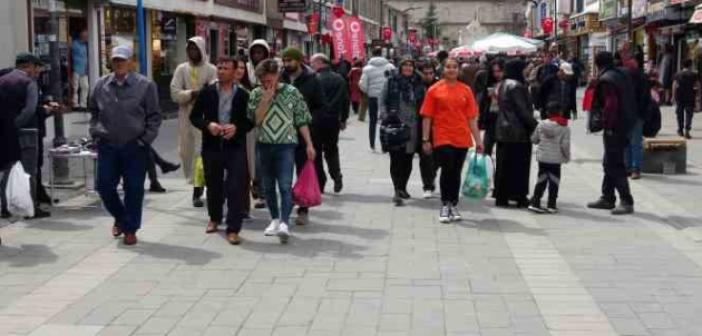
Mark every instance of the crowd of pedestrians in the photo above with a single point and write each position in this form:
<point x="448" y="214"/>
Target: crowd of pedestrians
<point x="249" y="124"/>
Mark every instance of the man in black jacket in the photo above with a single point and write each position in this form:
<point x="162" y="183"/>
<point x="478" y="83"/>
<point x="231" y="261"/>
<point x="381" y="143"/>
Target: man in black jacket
<point x="19" y="97"/>
<point x="614" y="112"/>
<point x="220" y="112"/>
<point x="330" y="120"/>
<point x="305" y="81"/>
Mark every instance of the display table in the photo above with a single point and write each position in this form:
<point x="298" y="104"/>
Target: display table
<point x="85" y="156"/>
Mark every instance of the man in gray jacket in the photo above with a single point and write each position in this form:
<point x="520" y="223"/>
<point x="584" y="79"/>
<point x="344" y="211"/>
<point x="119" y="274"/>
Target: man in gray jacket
<point x="125" y="117"/>
<point x="372" y="82"/>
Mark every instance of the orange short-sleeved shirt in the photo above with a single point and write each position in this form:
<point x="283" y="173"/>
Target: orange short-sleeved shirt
<point x="451" y="107"/>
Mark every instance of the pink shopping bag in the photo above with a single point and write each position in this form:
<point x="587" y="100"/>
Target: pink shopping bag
<point x="306" y="191"/>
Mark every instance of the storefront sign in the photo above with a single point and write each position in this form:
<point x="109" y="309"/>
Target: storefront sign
<point x="608" y="9"/>
<point x="290" y="6"/>
<point x="248" y="5"/>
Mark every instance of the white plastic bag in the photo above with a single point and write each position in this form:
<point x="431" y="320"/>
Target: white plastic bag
<point x="19" y="197"/>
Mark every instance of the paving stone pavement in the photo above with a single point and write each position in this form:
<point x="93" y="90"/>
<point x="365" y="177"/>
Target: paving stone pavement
<point x="363" y="267"/>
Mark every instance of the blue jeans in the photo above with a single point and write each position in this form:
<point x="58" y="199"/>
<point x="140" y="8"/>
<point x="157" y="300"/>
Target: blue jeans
<point x="277" y="167"/>
<point x="634" y="151"/>
<point x="128" y="164"/>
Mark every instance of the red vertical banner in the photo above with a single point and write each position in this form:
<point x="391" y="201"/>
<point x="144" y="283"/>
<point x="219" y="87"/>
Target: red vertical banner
<point x="387" y="34"/>
<point x="357" y="38"/>
<point x="340" y="38"/>
<point x="412" y="36"/>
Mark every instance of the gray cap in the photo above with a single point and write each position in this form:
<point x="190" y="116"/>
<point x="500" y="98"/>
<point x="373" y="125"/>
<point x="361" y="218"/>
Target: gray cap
<point x="27" y="58"/>
<point x="122" y="52"/>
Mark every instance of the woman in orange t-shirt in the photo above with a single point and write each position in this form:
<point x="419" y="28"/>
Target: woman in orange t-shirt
<point x="451" y="116"/>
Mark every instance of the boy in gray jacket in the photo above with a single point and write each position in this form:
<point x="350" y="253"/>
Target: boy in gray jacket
<point x="552" y="140"/>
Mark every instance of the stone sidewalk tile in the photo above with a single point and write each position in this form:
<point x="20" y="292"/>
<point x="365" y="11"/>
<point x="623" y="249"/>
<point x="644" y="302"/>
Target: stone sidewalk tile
<point x="363" y="267"/>
<point x="60" y="330"/>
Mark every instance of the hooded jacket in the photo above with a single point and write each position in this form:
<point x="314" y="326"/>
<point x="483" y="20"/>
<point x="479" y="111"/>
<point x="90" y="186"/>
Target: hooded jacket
<point x="183" y="84"/>
<point x="374" y="76"/>
<point x="310" y="88"/>
<point x="250" y="67"/>
<point x="552" y="142"/>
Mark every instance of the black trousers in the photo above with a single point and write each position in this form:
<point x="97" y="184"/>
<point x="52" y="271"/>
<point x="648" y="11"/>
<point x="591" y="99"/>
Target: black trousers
<point x="427" y="167"/>
<point x="451" y="160"/>
<point x="615" y="172"/>
<point x="154" y="160"/>
<point x="372" y="120"/>
<point x="685" y="112"/>
<point x="400" y="168"/>
<point x="225" y="179"/>
<point x="549" y="176"/>
<point x="326" y="143"/>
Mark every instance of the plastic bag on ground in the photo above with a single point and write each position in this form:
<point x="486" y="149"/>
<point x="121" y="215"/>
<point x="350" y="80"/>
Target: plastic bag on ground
<point x="18" y="192"/>
<point x="306" y="191"/>
<point x="477" y="182"/>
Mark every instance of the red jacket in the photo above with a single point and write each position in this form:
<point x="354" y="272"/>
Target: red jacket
<point x="354" y="78"/>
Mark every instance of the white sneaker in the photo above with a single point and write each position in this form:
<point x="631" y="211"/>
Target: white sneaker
<point x="283" y="233"/>
<point x="428" y="194"/>
<point x="272" y="228"/>
<point x="455" y="216"/>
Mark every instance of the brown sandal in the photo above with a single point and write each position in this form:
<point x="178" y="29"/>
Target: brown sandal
<point x="212" y="227"/>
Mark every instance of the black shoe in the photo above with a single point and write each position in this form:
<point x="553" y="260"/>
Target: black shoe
<point x="198" y="202"/>
<point x="338" y="185"/>
<point x="623" y="209"/>
<point x="404" y="194"/>
<point x="524" y="203"/>
<point x="260" y="204"/>
<point x="500" y="203"/>
<point x="39" y="213"/>
<point x="601" y="204"/>
<point x="169" y="167"/>
<point x="5" y="214"/>
<point x="157" y="188"/>
<point x="397" y="199"/>
<point x="45" y="199"/>
<point x="536" y="209"/>
<point x="688" y="135"/>
<point x="681" y="134"/>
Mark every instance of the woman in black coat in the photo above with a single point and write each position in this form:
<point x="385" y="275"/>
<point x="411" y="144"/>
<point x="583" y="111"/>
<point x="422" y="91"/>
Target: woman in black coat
<point x="513" y="128"/>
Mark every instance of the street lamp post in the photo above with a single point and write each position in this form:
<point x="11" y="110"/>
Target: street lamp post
<point x="60" y="166"/>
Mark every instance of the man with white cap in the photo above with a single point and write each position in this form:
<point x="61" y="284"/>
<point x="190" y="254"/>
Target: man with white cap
<point x="558" y="89"/>
<point x="125" y="117"/>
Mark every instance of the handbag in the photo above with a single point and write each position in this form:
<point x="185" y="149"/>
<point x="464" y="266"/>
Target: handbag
<point x="394" y="134"/>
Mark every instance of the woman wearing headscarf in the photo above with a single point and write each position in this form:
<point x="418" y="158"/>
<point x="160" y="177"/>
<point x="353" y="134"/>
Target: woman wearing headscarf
<point x="515" y="124"/>
<point x="402" y="96"/>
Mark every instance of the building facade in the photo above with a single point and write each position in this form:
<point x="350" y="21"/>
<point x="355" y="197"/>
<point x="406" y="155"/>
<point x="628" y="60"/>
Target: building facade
<point x="455" y="16"/>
